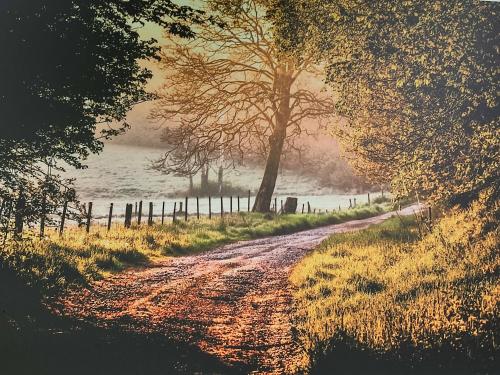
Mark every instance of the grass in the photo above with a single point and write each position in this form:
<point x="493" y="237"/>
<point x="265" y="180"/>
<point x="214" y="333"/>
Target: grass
<point x="386" y="300"/>
<point x="78" y="257"/>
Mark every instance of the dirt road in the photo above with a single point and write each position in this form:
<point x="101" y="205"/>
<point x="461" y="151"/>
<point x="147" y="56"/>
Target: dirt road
<point x="232" y="302"/>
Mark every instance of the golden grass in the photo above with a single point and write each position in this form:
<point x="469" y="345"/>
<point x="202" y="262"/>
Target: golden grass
<point x="386" y="292"/>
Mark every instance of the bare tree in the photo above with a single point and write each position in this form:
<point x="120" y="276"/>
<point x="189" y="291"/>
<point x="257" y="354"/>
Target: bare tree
<point x="231" y="94"/>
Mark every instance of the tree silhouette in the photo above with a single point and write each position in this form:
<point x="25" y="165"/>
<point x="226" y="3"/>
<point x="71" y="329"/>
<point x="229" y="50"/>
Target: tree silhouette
<point x="69" y="73"/>
<point x="231" y="94"/>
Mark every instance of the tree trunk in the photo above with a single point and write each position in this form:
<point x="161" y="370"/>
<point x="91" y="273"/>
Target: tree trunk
<point x="204" y="180"/>
<point x="276" y="142"/>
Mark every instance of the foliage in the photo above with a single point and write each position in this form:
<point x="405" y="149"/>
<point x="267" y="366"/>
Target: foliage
<point x="416" y="83"/>
<point x="70" y="72"/>
<point x="385" y="297"/>
<point x="77" y="256"/>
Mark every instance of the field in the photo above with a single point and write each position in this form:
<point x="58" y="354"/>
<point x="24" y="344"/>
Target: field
<point x="396" y="299"/>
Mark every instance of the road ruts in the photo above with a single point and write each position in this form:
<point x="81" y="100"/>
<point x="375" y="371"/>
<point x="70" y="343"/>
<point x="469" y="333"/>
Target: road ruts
<point x="233" y="302"/>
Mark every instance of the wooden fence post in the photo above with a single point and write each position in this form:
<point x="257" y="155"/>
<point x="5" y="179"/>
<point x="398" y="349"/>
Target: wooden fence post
<point x="369" y="203"/>
<point x="248" y="201"/>
<point x="163" y="213"/>
<point x="7" y="221"/>
<point x="302" y="207"/>
<point x="238" y="203"/>
<point x="63" y="217"/>
<point x="18" y="215"/>
<point x="308" y="208"/>
<point x="1" y="208"/>
<point x="173" y="215"/>
<point x="180" y="207"/>
<point x="110" y="215"/>
<point x="354" y="202"/>
<point x="209" y="207"/>
<point x="221" y="206"/>
<point x="139" y="214"/>
<point x="128" y="215"/>
<point x="231" y="204"/>
<point x="281" y="205"/>
<point x="186" y="210"/>
<point x="150" y="215"/>
<point x="89" y="217"/>
<point x="340" y="208"/>
<point x="275" y="205"/>
<point x="42" y="219"/>
<point x="198" y="208"/>
<point x="135" y="210"/>
<point x="350" y="203"/>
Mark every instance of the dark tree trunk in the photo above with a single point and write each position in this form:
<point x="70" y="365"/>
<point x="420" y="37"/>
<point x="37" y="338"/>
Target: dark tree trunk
<point x="276" y="142"/>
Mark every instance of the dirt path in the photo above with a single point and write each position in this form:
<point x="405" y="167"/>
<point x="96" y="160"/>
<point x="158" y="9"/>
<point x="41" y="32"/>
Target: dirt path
<point x="232" y="302"/>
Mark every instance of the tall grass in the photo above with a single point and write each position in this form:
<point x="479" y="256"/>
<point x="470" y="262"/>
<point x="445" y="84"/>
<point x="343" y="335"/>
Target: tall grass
<point x="77" y="256"/>
<point x="385" y="299"/>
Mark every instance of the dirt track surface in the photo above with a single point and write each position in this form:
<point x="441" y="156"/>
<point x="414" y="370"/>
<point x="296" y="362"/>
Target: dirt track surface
<point x="233" y="302"/>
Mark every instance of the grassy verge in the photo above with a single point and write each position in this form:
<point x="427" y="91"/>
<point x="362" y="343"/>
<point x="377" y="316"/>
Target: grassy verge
<point x="385" y="300"/>
<point x="79" y="257"/>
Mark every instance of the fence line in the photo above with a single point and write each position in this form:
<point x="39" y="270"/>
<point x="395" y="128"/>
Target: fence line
<point x="6" y="209"/>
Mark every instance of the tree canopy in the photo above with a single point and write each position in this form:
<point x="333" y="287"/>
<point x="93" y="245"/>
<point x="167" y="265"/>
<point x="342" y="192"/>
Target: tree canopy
<point x="70" y="70"/>
<point x="417" y="85"/>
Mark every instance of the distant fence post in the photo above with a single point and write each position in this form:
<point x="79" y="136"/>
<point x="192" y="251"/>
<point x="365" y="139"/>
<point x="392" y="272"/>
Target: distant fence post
<point x="175" y="209"/>
<point x="382" y="193"/>
<point x="221" y="206"/>
<point x="128" y="215"/>
<point x="281" y="205"/>
<point x="150" y="216"/>
<point x="89" y="217"/>
<point x="238" y="203"/>
<point x="198" y="208"/>
<point x="275" y="205"/>
<point x="180" y="206"/>
<point x="302" y="207"/>
<point x="350" y="203"/>
<point x="163" y="213"/>
<point x="18" y="216"/>
<point x="248" y="201"/>
<point x="42" y="218"/>
<point x="1" y="208"/>
<point x="209" y="207"/>
<point x="139" y="213"/>
<point x="308" y="208"/>
<point x="110" y="215"/>
<point x="63" y="217"/>
<point x="354" y="202"/>
<point x="231" y="204"/>
<point x="340" y="208"/>
<point x="369" y="199"/>
<point x="186" y="210"/>
<point x="135" y="210"/>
